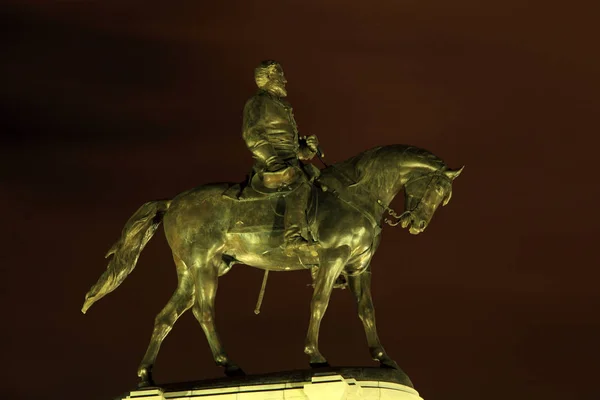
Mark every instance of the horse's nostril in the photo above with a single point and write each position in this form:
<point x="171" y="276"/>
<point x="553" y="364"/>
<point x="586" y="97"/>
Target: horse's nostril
<point x="422" y="225"/>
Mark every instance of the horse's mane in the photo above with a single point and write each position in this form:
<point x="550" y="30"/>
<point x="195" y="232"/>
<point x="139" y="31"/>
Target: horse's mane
<point x="364" y="165"/>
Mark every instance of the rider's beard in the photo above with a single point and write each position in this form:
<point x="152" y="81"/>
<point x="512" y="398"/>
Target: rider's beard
<point x="278" y="90"/>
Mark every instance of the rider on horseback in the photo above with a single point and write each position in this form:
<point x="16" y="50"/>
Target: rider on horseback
<point x="271" y="134"/>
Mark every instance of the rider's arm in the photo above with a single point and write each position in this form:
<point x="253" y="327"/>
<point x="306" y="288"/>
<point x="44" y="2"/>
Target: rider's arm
<point x="254" y="135"/>
<point x="265" y="152"/>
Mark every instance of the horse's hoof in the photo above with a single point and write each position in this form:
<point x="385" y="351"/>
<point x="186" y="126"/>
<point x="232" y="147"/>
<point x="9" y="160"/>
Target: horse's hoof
<point x="145" y="384"/>
<point x="145" y="375"/>
<point x="324" y="364"/>
<point x="233" y="371"/>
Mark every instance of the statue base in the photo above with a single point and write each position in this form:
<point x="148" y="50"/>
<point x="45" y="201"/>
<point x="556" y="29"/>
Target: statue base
<point x="314" y="384"/>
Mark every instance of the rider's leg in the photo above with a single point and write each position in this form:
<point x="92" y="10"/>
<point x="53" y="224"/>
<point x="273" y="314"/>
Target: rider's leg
<point x="295" y="218"/>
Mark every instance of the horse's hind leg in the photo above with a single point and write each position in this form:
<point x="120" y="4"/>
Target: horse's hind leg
<point x="181" y="301"/>
<point x="207" y="277"/>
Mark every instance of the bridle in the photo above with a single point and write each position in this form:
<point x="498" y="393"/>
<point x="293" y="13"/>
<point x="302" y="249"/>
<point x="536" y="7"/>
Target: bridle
<point x="401" y="217"/>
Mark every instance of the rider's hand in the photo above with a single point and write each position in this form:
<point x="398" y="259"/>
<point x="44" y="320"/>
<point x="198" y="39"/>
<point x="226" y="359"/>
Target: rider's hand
<point x="312" y="142"/>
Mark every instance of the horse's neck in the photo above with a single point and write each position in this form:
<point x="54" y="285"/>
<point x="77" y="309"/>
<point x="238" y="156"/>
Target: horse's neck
<point x="371" y="181"/>
<point x="375" y="177"/>
<point x="383" y="176"/>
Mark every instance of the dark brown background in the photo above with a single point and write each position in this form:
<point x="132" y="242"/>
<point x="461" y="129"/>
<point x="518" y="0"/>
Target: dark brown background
<point x="106" y="105"/>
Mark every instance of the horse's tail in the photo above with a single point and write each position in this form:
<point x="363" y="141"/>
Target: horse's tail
<point x="125" y="252"/>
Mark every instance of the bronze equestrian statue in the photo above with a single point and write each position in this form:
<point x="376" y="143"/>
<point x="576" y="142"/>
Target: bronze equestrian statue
<point x="215" y="226"/>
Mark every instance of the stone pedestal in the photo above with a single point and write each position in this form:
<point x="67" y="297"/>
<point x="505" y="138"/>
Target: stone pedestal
<point x="329" y="384"/>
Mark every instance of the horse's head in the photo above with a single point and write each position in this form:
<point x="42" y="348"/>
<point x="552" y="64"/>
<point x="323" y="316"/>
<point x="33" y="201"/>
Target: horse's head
<point x="423" y="193"/>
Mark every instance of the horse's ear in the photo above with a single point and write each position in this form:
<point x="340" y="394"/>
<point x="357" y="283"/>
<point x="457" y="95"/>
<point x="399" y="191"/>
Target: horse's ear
<point x="453" y="174"/>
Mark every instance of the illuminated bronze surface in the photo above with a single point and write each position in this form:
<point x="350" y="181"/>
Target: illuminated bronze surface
<point x="202" y="227"/>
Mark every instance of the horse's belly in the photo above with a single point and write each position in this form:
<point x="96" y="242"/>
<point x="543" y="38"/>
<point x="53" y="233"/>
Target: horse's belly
<point x="263" y="250"/>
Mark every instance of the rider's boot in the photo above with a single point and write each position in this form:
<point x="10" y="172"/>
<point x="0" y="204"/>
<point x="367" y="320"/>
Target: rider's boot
<point x="293" y="245"/>
<point x="295" y="224"/>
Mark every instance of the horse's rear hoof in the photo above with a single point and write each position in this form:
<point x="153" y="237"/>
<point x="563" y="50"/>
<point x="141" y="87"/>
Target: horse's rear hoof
<point x="233" y="371"/>
<point x="320" y="365"/>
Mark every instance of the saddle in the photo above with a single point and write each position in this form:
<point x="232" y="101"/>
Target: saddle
<point x="263" y="185"/>
<point x="261" y="208"/>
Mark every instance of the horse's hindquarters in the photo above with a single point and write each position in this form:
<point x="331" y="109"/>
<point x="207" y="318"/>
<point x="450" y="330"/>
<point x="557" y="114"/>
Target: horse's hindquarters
<point x="197" y="221"/>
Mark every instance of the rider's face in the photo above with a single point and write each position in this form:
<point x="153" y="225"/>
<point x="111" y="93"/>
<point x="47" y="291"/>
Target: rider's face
<point x="277" y="82"/>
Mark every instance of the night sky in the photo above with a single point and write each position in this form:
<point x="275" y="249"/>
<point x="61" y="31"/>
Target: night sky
<point x="108" y="104"/>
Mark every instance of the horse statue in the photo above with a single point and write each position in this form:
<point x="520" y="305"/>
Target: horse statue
<point x="209" y="231"/>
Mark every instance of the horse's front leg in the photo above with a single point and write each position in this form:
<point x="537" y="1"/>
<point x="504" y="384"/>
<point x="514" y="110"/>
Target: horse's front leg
<point x="334" y="261"/>
<point x="360" y="286"/>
